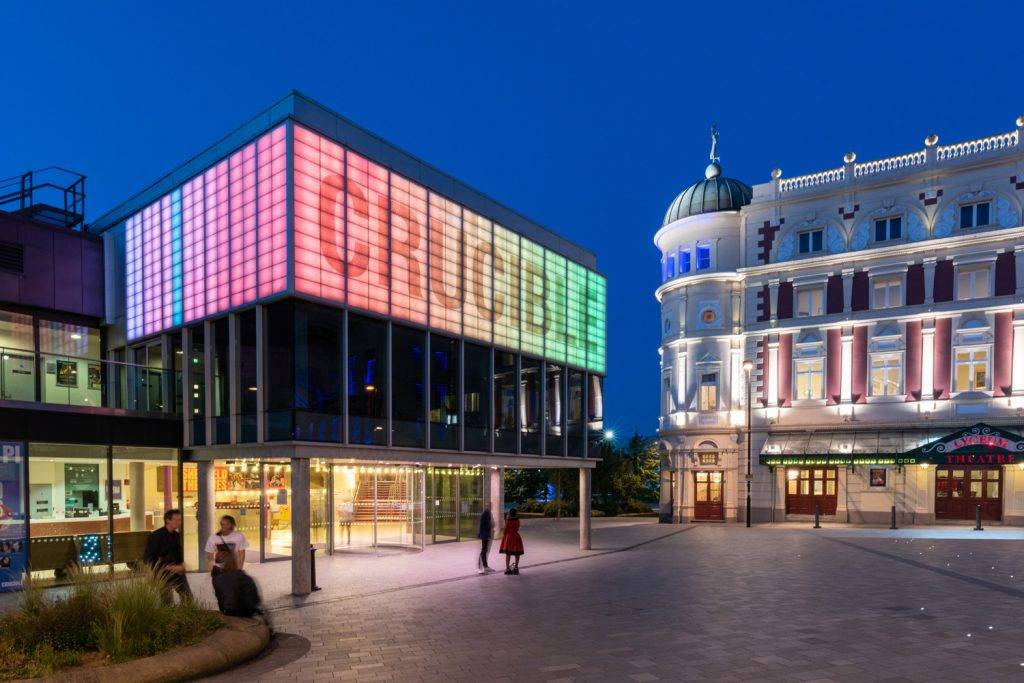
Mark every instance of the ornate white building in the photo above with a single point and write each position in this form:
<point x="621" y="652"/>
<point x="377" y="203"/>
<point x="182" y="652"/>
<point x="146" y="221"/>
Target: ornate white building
<point x="874" y="314"/>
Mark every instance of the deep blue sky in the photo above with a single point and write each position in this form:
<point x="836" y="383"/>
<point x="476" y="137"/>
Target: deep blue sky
<point x="587" y="117"/>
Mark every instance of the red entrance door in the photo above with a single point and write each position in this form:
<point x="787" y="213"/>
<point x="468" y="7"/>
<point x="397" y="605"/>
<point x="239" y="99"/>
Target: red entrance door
<point x="810" y="486"/>
<point x="707" y="503"/>
<point x="958" y="491"/>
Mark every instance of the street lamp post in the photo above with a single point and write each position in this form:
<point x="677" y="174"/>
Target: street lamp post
<point x="748" y="367"/>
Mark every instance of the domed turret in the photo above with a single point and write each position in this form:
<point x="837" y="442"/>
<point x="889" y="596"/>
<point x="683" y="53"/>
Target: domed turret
<point x="715" y="193"/>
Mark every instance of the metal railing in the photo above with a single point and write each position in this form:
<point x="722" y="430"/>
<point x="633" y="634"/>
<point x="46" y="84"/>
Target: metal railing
<point x="52" y="195"/>
<point x="60" y="379"/>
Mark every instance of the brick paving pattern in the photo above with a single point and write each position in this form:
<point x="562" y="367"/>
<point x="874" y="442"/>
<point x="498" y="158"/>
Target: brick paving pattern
<point x="714" y="602"/>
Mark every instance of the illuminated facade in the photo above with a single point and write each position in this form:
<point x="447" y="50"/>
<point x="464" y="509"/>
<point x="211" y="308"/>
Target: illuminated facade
<point x="356" y="333"/>
<point x="879" y="306"/>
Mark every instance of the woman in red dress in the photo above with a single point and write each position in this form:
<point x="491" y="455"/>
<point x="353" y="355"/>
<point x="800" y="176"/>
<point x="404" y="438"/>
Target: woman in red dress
<point x="512" y="542"/>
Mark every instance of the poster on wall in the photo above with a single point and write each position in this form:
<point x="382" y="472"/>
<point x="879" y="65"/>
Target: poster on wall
<point x="95" y="376"/>
<point x="13" y="536"/>
<point x="67" y="374"/>
<point x="877" y="477"/>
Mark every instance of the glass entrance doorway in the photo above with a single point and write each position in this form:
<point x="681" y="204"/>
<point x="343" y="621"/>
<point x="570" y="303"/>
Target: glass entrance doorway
<point x="377" y="506"/>
<point x="959" y="492"/>
<point x="454" y="503"/>
<point x="810" y="488"/>
<point x="707" y="500"/>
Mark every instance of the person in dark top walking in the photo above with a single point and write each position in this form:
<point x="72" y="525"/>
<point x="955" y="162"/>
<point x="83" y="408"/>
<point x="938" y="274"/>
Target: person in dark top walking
<point x="237" y="594"/>
<point x="165" y="554"/>
<point x="485" y="532"/>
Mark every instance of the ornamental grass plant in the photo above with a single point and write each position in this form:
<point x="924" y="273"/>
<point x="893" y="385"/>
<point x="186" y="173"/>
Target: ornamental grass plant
<point x="95" y="618"/>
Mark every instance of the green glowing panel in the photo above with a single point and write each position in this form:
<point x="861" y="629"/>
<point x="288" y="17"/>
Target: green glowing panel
<point x="597" y="302"/>
<point x="531" y="269"/>
<point x="506" y="288"/>
<point x="576" y="316"/>
<point x="554" y="306"/>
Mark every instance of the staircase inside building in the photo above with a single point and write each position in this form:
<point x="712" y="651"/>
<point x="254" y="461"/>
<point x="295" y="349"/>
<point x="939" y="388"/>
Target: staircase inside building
<point x="392" y="498"/>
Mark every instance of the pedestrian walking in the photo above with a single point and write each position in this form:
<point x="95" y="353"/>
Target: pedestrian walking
<point x="237" y="594"/>
<point x="165" y="554"/>
<point x="484" y="533"/>
<point x="227" y="541"/>
<point x="512" y="542"/>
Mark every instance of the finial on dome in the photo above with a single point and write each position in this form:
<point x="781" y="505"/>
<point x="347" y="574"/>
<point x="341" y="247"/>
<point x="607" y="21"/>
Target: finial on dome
<point x="714" y="169"/>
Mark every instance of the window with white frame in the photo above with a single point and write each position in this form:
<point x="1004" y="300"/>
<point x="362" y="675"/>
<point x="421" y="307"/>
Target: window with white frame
<point x="703" y="257"/>
<point x="886" y="374"/>
<point x="708" y="397"/>
<point x="887" y="292"/>
<point x="975" y="215"/>
<point x="809" y="374"/>
<point x="809" y="301"/>
<point x="971" y="369"/>
<point x="972" y="283"/>
<point x="810" y="241"/>
<point x="670" y="268"/>
<point x="887" y="229"/>
<point x="684" y="261"/>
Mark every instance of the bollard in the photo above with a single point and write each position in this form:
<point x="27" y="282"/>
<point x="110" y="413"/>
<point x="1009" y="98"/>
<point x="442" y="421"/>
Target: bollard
<point x="893" y="524"/>
<point x="817" y="516"/>
<point x="312" y="568"/>
<point x="977" y="518"/>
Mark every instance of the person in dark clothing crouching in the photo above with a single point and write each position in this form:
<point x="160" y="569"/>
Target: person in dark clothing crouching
<point x="237" y="594"/>
<point x="165" y="554"/>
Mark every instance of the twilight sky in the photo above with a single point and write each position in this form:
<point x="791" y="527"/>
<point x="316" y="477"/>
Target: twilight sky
<point x="586" y="117"/>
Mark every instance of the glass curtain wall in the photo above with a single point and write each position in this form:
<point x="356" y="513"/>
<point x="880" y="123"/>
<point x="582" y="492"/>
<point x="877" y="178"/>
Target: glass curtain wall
<point x="189" y="510"/>
<point x="197" y="390"/>
<point x="69" y="361"/>
<point x="454" y="503"/>
<point x="247" y="376"/>
<point x="318" y="353"/>
<point x="277" y="510"/>
<point x="506" y="392"/>
<point x="143" y="488"/>
<point x="529" y="406"/>
<point x="376" y="506"/>
<point x="280" y="370"/>
<point x="367" y="380"/>
<point x="554" y="410"/>
<point x="319" y="504"/>
<point x="595" y="412"/>
<point x="444" y="392"/>
<point x="408" y="408"/>
<point x="221" y="383"/>
<point x="237" y="493"/>
<point x="476" y="397"/>
<point x="17" y="357"/>
<point x="574" y="415"/>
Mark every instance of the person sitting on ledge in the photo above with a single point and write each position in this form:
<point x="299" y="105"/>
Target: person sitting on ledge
<point x="237" y="594"/>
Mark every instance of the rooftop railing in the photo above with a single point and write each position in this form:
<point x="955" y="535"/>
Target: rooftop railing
<point x="932" y="153"/>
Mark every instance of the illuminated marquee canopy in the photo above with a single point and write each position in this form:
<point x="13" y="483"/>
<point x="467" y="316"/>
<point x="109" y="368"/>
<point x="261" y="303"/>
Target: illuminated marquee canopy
<point x="365" y="237"/>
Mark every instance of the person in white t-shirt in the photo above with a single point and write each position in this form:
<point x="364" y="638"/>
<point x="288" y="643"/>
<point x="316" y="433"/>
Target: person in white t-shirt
<point x="227" y="540"/>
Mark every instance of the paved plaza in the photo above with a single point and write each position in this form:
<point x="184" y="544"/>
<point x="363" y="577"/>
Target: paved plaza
<point x="659" y="602"/>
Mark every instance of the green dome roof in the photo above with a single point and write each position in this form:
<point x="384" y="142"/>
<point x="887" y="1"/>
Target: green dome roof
<point x="714" y="193"/>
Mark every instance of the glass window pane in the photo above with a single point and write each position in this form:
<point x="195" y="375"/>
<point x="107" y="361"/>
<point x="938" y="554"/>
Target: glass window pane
<point x="367" y="380"/>
<point x="595" y="412"/>
<point x="554" y="409"/>
<point x="477" y="397"/>
<point x="280" y="370"/>
<point x="408" y="377"/>
<point x="145" y="486"/>
<point x="444" y="388"/>
<point x="529" y="406"/>
<point x="318" y="373"/>
<point x="505" y="393"/>
<point x="17" y="357"/>
<point x="981" y="213"/>
<point x="966" y="216"/>
<point x="247" y="376"/>
<point x="70" y="367"/>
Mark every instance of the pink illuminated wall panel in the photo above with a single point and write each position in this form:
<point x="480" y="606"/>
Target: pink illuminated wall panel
<point x="319" y="216"/>
<point x="477" y="245"/>
<point x="445" y="264"/>
<point x="217" y="241"/>
<point x="408" y="250"/>
<point x="366" y="236"/>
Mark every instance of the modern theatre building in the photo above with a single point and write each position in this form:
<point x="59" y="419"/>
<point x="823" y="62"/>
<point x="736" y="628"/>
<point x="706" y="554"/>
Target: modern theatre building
<point x="864" y="324"/>
<point x="353" y="344"/>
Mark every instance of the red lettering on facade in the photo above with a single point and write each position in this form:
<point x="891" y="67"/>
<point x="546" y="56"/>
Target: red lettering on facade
<point x="408" y="248"/>
<point x="330" y="190"/>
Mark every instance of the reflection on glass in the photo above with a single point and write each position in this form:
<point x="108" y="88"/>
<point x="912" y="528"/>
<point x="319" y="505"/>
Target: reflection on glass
<point x="477" y="397"/>
<point x="367" y="380"/>
<point x="237" y="493"/>
<point x="280" y="370"/>
<point x="197" y="390"/>
<point x="574" y="415"/>
<point x="377" y="506"/>
<point x="319" y="473"/>
<point x="144" y="487"/>
<point x="17" y="357"/>
<point x="595" y="412"/>
<point x="317" y="373"/>
<point x="277" y="531"/>
<point x="409" y="366"/>
<point x="221" y="383"/>
<point x="529" y="406"/>
<point x="505" y="392"/>
<point x="554" y="413"/>
<point x="444" y="392"/>
<point x="247" y="372"/>
<point x="70" y="364"/>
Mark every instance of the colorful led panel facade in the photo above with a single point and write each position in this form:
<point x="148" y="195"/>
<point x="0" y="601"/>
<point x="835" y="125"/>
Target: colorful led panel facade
<point x="364" y="237"/>
<point x="216" y="242"/>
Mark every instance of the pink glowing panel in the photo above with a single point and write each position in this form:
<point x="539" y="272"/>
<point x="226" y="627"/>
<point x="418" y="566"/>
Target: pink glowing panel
<point x="408" y="250"/>
<point x="194" y="246"/>
<point x="445" y="264"/>
<point x="272" y="249"/>
<point x="478" y="304"/>
<point x="366" y="238"/>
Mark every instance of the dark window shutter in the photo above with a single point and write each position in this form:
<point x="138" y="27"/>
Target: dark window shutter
<point x="12" y="257"/>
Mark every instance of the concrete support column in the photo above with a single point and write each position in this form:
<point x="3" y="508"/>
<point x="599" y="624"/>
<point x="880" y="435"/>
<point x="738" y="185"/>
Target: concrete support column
<point x="301" y="580"/>
<point x="496" y="496"/>
<point x="205" y="514"/>
<point x="137" y="492"/>
<point x="585" y="508"/>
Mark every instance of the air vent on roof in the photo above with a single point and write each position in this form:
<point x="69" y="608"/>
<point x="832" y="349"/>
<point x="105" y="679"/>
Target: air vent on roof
<point x="12" y="257"/>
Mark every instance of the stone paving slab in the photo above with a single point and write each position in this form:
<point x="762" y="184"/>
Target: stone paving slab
<point x="719" y="603"/>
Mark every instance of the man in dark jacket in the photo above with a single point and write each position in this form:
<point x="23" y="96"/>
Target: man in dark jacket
<point x="485" y="532"/>
<point x="166" y="555"/>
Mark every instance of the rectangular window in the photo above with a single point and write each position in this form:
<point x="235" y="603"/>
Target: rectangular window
<point x="670" y="267"/>
<point x="972" y="284"/>
<point x="684" y="261"/>
<point x="703" y="257"/>
<point x="709" y="392"/>
<point x="810" y="378"/>
<point x="888" y="292"/>
<point x="886" y="373"/>
<point x="810" y="241"/>
<point x="888" y="229"/>
<point x="974" y="215"/>
<point x="971" y="369"/>
<point x="809" y="302"/>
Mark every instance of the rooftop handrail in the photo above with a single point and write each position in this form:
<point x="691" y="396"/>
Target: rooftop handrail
<point x="932" y="153"/>
<point x="34" y="188"/>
